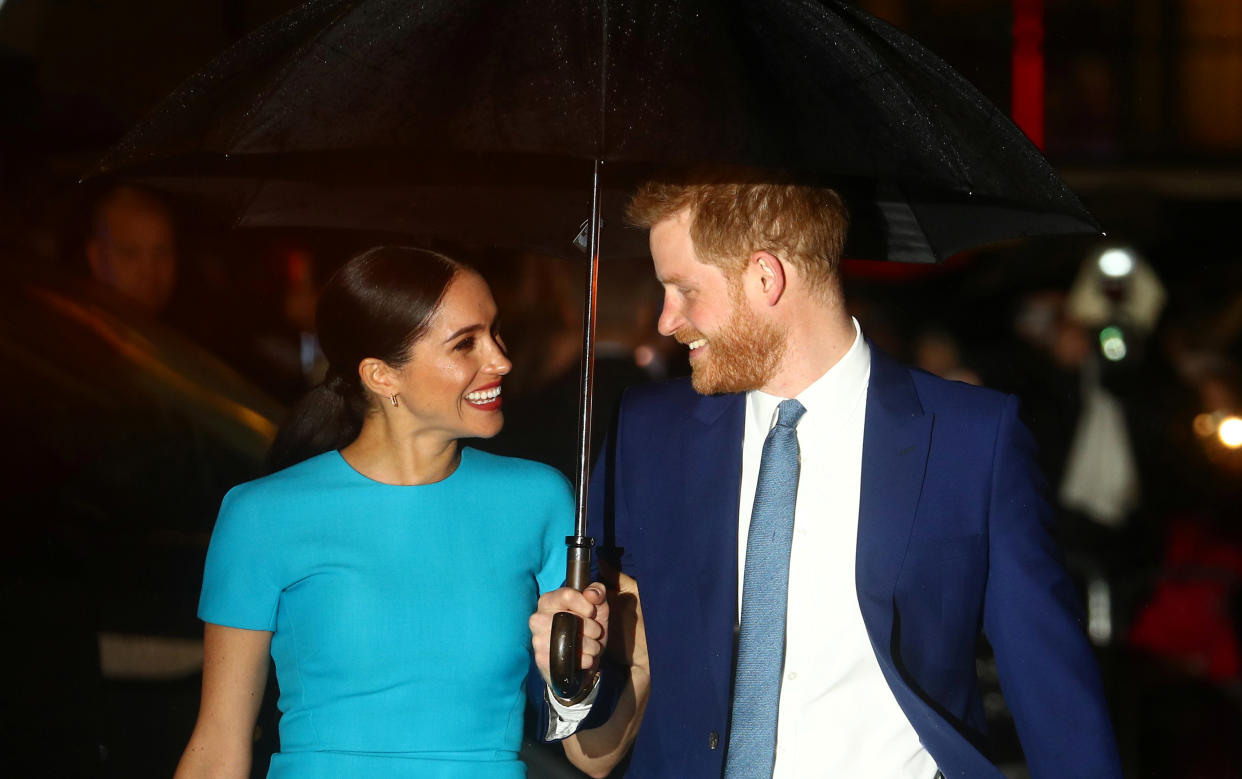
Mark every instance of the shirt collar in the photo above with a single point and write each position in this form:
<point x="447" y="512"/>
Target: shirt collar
<point x="830" y="393"/>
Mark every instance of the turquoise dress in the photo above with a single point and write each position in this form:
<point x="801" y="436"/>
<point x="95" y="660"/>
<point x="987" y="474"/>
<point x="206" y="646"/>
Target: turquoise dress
<point x="399" y="614"/>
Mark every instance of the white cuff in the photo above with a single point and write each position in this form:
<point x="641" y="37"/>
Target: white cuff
<point x="563" y="721"/>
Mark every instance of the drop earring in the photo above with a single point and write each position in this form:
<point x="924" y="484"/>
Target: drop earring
<point x="393" y="398"/>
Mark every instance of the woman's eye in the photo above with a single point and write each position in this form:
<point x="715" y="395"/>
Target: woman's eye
<point x="465" y="344"/>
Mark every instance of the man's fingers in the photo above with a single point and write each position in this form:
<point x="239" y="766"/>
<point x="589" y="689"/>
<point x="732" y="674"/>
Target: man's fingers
<point x="592" y="629"/>
<point x="540" y="623"/>
<point x="591" y="605"/>
<point x="569" y="599"/>
<point x="596" y="593"/>
<point x="591" y="649"/>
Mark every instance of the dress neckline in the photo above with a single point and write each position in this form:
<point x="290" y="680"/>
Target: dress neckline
<point x="464" y="453"/>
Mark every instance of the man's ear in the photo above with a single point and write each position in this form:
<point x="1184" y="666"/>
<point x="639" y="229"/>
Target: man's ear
<point x="378" y="377"/>
<point x="769" y="273"/>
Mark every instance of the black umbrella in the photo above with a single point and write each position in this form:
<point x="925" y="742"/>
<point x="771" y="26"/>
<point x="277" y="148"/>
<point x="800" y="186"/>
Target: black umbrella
<point x="483" y="118"/>
<point x="515" y="121"/>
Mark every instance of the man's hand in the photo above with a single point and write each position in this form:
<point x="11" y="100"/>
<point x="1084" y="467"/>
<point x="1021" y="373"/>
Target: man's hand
<point x="591" y="605"/>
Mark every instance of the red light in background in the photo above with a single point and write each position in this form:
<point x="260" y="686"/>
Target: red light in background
<point x="1028" y="68"/>
<point x="297" y="267"/>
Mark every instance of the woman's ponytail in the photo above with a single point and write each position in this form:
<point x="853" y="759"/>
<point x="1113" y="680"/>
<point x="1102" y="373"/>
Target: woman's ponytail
<point x="324" y="419"/>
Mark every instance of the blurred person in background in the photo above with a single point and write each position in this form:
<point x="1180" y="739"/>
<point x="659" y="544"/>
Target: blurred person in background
<point x="1125" y="399"/>
<point x="126" y="449"/>
<point x="627" y="341"/>
<point x="1187" y="631"/>
<point x="284" y="354"/>
<point x="387" y="569"/>
<point x="132" y="248"/>
<point x="937" y="351"/>
<point x="542" y="308"/>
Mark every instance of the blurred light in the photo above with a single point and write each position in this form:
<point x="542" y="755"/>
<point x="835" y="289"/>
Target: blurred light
<point x="644" y="356"/>
<point x="1230" y="432"/>
<point x="1205" y="424"/>
<point x="297" y="267"/>
<point x="1099" y="611"/>
<point x="1116" y="263"/>
<point x="1113" y="343"/>
<point x="1028" y="69"/>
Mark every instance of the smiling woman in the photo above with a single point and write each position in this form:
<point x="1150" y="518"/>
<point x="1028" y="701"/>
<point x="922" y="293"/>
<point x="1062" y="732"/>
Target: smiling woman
<point x="365" y="563"/>
<point x="375" y="309"/>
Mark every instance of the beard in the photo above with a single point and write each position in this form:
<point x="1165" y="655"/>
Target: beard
<point x="743" y="354"/>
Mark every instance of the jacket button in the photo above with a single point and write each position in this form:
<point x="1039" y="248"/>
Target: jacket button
<point x="713" y="740"/>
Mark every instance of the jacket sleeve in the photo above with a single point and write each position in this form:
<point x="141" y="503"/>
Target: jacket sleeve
<point x="1033" y="620"/>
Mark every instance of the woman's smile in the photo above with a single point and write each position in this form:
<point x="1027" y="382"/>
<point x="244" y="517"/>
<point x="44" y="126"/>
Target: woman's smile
<point x="485" y="398"/>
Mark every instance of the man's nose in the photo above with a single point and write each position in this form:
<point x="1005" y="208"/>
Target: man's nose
<point x="670" y="320"/>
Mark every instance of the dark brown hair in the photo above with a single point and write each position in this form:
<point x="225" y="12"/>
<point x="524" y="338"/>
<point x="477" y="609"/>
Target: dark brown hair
<point x="377" y="305"/>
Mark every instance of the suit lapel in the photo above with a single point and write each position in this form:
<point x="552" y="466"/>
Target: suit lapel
<point x="896" y="442"/>
<point x="713" y="453"/>
<point x="896" y="446"/>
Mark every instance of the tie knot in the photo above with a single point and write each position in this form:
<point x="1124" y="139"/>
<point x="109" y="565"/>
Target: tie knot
<point x="789" y="412"/>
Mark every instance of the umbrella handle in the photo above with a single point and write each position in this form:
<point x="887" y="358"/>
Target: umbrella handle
<point x="569" y="680"/>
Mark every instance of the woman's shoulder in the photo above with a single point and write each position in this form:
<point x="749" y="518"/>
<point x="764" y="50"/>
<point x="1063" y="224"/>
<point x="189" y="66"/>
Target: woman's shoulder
<point x="311" y="474"/>
<point x="515" y="471"/>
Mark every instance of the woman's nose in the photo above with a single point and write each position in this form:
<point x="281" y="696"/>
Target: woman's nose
<point x="499" y="362"/>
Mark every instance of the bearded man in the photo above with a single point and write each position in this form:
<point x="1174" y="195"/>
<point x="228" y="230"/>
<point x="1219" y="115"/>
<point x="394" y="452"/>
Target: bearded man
<point x="820" y="534"/>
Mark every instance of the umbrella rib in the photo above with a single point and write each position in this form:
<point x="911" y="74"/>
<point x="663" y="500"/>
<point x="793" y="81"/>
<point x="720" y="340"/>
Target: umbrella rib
<point x="287" y="67"/>
<point x="280" y="79"/>
<point x="904" y="87"/>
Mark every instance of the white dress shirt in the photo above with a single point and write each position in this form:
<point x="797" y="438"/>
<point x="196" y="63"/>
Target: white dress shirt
<point x="837" y="716"/>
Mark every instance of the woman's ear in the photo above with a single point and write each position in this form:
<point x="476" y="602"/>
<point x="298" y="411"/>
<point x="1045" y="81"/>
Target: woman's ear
<point x="769" y="273"/>
<point x="378" y="377"/>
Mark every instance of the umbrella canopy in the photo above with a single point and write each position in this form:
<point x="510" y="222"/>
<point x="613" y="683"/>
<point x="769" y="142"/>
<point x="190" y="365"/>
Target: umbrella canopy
<point x="481" y="119"/>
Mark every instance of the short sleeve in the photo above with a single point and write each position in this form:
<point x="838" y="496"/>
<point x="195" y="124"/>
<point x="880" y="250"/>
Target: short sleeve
<point x="560" y="523"/>
<point x="240" y="586"/>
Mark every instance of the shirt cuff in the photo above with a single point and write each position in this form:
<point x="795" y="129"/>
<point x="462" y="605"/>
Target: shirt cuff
<point x="563" y="720"/>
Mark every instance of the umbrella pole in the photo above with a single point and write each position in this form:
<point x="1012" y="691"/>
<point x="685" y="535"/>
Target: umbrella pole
<point x="568" y="681"/>
<point x="586" y="386"/>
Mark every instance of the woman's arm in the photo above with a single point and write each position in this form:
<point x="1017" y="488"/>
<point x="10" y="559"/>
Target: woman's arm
<point x="234" y="674"/>
<point x="597" y="751"/>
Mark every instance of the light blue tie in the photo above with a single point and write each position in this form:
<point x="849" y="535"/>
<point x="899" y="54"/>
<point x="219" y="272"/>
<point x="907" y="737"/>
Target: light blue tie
<point x="765" y="585"/>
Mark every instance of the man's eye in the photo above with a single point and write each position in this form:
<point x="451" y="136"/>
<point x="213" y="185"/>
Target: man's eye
<point x="465" y="344"/>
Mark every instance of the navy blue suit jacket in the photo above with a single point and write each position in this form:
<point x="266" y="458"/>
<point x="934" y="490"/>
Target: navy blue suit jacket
<point x="953" y="539"/>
